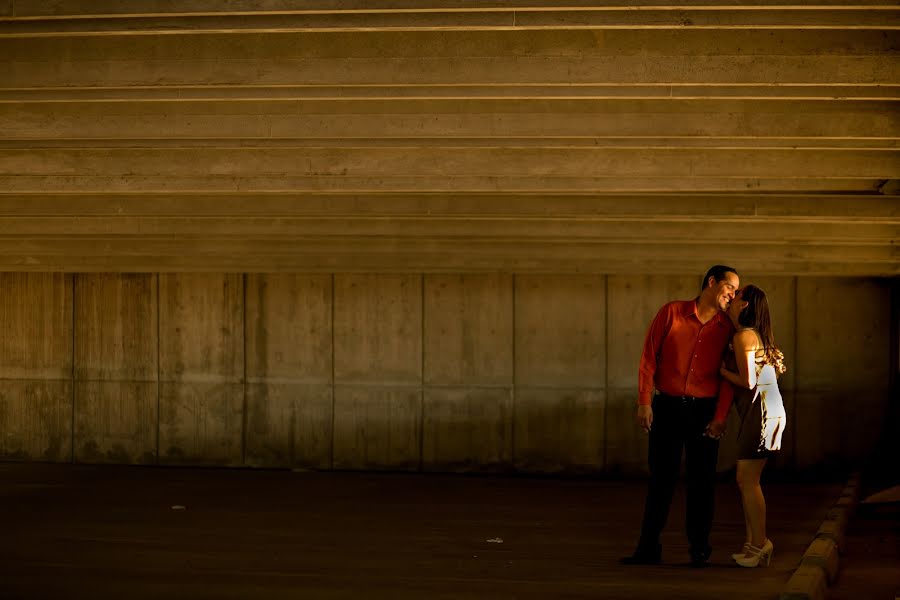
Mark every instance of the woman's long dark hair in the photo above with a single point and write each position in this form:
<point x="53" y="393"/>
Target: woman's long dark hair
<point x="756" y="315"/>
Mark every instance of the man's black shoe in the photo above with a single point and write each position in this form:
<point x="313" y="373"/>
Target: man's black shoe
<point x="642" y="558"/>
<point x="700" y="558"/>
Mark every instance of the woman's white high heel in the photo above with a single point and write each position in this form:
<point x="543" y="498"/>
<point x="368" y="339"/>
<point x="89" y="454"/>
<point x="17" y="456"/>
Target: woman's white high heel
<point x="757" y="557"/>
<point x="744" y="549"/>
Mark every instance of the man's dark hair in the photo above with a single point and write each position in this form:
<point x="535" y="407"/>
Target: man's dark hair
<point x="717" y="271"/>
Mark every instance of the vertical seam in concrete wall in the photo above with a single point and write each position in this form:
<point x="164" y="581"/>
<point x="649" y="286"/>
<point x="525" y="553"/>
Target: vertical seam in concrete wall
<point x="605" y="370"/>
<point x="512" y="388"/>
<point x="333" y="295"/>
<point x="158" y="363"/>
<point x="244" y="374"/>
<point x="894" y="338"/>
<point x="794" y="393"/>
<point x="72" y="432"/>
<point x="422" y="372"/>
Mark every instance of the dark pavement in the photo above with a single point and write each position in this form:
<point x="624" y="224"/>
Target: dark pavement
<point x="112" y="532"/>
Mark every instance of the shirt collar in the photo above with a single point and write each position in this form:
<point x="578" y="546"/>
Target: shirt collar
<point x="690" y="308"/>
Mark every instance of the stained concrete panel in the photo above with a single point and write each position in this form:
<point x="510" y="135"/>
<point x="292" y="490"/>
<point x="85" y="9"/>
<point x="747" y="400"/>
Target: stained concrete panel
<point x="467" y="429"/>
<point x="816" y="428"/>
<point x="559" y="429"/>
<point x="289" y="371"/>
<point x="200" y="423"/>
<point x="116" y="422"/>
<point x="468" y="329"/>
<point x="289" y="328"/>
<point x="843" y="333"/>
<point x="201" y="327"/>
<point x="116" y="327"/>
<point x="560" y="329"/>
<point x="377" y="428"/>
<point x="289" y="425"/>
<point x="625" y="444"/>
<point x="842" y="368"/>
<point x="378" y="328"/>
<point x="837" y="426"/>
<point x="35" y="326"/>
<point x="36" y="420"/>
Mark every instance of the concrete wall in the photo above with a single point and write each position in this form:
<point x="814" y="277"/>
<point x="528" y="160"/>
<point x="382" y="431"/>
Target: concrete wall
<point x="411" y="372"/>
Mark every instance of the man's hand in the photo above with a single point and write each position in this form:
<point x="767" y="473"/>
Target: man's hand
<point x="715" y="429"/>
<point x="645" y="417"/>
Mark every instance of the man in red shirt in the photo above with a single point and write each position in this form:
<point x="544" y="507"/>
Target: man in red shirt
<point x="680" y="361"/>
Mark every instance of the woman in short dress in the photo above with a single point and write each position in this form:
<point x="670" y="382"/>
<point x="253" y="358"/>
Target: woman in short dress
<point x="760" y="407"/>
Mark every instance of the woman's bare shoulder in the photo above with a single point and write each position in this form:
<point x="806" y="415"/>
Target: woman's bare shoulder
<point x="746" y="339"/>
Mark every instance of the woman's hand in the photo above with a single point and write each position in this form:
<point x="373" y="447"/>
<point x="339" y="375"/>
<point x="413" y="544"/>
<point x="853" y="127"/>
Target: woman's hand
<point x="715" y="430"/>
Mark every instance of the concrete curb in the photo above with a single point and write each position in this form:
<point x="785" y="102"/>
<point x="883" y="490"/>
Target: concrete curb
<point x="820" y="564"/>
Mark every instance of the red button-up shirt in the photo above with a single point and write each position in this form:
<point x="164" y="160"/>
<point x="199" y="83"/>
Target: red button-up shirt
<point x="682" y="356"/>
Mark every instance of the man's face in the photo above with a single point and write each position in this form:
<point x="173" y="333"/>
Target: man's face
<point x="725" y="290"/>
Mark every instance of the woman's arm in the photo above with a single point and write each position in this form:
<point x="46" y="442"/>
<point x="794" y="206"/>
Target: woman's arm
<point x="745" y="356"/>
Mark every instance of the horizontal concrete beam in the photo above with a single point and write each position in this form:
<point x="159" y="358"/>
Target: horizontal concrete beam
<point x="459" y="45"/>
<point x="815" y="208"/>
<point x="354" y="95"/>
<point x="428" y="254"/>
<point x="67" y="8"/>
<point x="676" y="231"/>
<point x="785" y="17"/>
<point x="609" y="142"/>
<point x="454" y="119"/>
<point x="413" y="184"/>
<point x="148" y="69"/>
<point x="448" y="162"/>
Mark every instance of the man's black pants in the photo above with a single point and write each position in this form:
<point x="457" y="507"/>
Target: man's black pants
<point x="680" y="422"/>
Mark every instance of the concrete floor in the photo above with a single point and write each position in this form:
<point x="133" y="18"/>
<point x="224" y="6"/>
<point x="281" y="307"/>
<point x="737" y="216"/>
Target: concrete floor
<point x="870" y="561"/>
<point x="112" y="532"/>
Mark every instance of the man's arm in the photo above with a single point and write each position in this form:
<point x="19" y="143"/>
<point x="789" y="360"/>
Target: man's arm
<point x="649" y="356"/>
<point x="716" y="427"/>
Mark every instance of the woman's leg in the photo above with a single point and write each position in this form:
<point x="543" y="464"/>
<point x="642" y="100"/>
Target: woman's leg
<point x="748" y="474"/>
<point x="748" y="538"/>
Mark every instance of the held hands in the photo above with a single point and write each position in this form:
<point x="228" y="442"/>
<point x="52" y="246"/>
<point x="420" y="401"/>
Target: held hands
<point x="715" y="430"/>
<point x="645" y="417"/>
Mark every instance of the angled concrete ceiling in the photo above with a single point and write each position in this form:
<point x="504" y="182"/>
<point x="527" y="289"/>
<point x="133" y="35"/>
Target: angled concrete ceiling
<point x="449" y="136"/>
